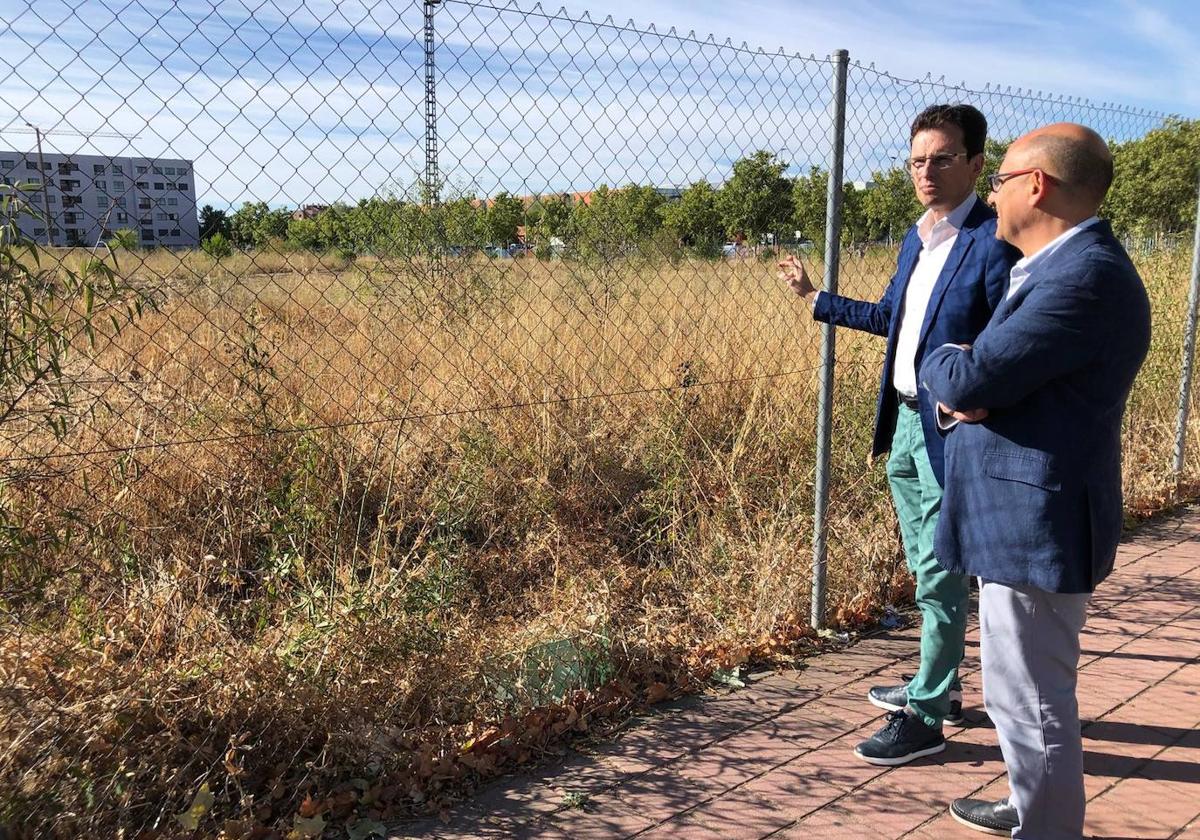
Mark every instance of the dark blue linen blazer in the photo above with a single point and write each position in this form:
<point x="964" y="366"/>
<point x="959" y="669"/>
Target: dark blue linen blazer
<point x="1033" y="493"/>
<point x="970" y="286"/>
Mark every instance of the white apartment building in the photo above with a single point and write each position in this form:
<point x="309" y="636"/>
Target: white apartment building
<point x="80" y="200"/>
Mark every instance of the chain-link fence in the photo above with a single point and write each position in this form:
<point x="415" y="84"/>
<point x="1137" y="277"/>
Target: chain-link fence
<point x="390" y="391"/>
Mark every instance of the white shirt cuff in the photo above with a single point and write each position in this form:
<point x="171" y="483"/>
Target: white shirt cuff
<point x="816" y="298"/>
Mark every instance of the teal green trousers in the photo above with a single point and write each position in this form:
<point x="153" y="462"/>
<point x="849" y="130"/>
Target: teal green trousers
<point x="941" y="596"/>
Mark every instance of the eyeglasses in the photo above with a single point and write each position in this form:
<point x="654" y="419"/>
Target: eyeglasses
<point x="997" y="181"/>
<point x="940" y="161"/>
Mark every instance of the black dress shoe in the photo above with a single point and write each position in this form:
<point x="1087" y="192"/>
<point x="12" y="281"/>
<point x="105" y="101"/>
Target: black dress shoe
<point x="998" y="818"/>
<point x="895" y="697"/>
<point x="902" y="739"/>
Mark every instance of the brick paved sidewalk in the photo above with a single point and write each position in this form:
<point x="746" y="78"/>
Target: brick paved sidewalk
<point x="775" y="759"/>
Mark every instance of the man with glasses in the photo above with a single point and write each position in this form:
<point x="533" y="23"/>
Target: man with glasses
<point x="1033" y="464"/>
<point x="950" y="275"/>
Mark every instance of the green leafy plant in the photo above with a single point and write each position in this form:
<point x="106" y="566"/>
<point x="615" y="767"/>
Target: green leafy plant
<point x="48" y="314"/>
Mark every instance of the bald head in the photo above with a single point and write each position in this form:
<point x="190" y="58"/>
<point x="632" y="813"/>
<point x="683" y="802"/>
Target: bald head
<point x="1077" y="158"/>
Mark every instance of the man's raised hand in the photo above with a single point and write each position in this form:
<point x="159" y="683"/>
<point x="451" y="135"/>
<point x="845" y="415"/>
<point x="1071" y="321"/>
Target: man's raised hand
<point x="792" y="270"/>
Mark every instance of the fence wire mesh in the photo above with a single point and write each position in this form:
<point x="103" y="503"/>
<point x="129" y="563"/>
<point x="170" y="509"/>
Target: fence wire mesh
<point x="393" y="372"/>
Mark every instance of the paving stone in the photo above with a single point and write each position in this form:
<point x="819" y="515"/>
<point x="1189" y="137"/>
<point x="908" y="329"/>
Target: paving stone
<point x="776" y="759"/>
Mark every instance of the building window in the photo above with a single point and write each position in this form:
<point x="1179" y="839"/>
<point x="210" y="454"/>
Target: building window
<point x="67" y="184"/>
<point x="143" y="204"/>
<point x="102" y="185"/>
<point x="35" y="180"/>
<point x="36" y="198"/>
<point x="157" y="170"/>
<point x="174" y="217"/>
<point x="181" y="187"/>
<point x="175" y="232"/>
<point x="120" y="202"/>
<point x="162" y="231"/>
<point x="4" y="179"/>
<point x="97" y="168"/>
<point x="147" y="233"/>
<point x="158" y="185"/>
<point x="71" y="201"/>
<point x="143" y="185"/>
<point x="118" y="185"/>
<point x="102" y="201"/>
<point x="39" y="231"/>
<point x="8" y="164"/>
<point x="118" y="169"/>
<point x="70" y="218"/>
<point x="141" y="170"/>
<point x="31" y="164"/>
<point x="182" y="171"/>
<point x="162" y="217"/>
<point x="170" y="170"/>
<point x="52" y="199"/>
<point x="172" y="202"/>
<point x="122" y="218"/>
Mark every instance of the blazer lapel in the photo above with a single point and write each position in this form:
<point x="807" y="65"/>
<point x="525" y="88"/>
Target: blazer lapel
<point x="1090" y="236"/>
<point x="962" y="244"/>
<point x="908" y="261"/>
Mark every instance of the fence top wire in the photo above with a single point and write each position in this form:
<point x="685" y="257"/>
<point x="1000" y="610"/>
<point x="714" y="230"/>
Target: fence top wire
<point x="630" y="26"/>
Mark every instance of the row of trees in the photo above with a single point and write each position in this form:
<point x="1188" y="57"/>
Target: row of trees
<point x="1154" y="192"/>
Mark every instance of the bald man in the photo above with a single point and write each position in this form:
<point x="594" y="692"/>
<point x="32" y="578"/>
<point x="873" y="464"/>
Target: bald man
<point x="1032" y="413"/>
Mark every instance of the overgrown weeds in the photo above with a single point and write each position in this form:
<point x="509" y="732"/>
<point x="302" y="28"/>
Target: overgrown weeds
<point x="338" y="540"/>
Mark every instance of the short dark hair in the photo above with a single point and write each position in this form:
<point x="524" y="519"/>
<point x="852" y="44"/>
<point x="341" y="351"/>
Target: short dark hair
<point x="969" y="120"/>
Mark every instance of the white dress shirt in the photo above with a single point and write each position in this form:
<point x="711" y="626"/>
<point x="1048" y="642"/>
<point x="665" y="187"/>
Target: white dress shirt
<point x="937" y="239"/>
<point x="1025" y="266"/>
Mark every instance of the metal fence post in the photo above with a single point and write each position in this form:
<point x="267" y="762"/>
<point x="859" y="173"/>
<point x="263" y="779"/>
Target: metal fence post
<point x="833" y="241"/>
<point x="1189" y="349"/>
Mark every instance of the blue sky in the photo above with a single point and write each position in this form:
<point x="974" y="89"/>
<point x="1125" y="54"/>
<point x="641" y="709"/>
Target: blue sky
<point x="310" y="102"/>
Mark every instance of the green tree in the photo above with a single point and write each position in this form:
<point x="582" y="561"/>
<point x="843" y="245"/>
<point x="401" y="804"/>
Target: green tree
<point x="616" y="222"/>
<point x="890" y="206"/>
<point x="255" y="224"/>
<point x="1154" y="186"/>
<point x="463" y="223"/>
<point x="810" y="198"/>
<point x="505" y="213"/>
<point x="213" y="222"/>
<point x="217" y="246"/>
<point x="695" y="219"/>
<point x="757" y="198"/>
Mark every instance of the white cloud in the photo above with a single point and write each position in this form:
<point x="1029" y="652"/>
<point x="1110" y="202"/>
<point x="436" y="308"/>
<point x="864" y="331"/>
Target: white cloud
<point x="297" y="102"/>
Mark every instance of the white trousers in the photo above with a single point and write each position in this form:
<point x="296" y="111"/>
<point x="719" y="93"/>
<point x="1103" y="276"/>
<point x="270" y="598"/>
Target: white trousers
<point x="1029" y="646"/>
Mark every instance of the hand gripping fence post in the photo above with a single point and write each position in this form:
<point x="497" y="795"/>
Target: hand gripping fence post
<point x="1189" y="350"/>
<point x="833" y="241"/>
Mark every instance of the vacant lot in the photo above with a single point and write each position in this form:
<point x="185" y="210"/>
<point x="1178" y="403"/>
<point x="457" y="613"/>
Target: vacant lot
<point x="318" y="522"/>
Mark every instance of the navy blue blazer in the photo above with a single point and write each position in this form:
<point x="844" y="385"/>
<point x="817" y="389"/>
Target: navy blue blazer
<point x="970" y="286"/>
<point x="1033" y="493"/>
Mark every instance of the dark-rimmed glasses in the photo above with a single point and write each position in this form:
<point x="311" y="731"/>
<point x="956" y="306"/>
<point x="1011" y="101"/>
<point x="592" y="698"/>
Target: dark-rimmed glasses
<point x="938" y="161"/>
<point x="997" y="181"/>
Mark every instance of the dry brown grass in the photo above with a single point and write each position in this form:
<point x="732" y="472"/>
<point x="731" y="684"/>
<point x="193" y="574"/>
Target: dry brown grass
<point x="331" y="562"/>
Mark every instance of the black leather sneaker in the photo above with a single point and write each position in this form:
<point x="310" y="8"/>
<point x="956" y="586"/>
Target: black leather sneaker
<point x="895" y="697"/>
<point x="997" y="818"/>
<point x="902" y="739"/>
